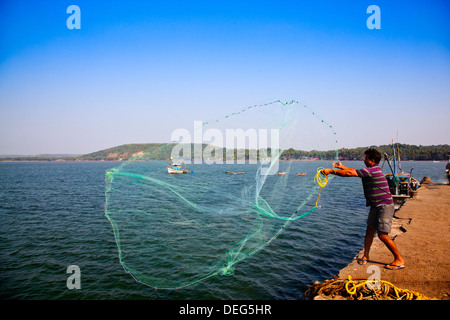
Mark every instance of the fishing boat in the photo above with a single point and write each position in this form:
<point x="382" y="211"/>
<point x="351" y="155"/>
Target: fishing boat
<point x="402" y="185"/>
<point x="302" y="174"/>
<point x="281" y="173"/>
<point x="230" y="172"/>
<point x="177" y="168"/>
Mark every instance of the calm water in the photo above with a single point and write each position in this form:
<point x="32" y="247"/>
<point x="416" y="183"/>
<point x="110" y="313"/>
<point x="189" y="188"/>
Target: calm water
<point x="52" y="216"/>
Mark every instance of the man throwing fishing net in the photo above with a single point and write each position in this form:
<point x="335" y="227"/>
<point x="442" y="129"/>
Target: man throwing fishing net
<point x="379" y="198"/>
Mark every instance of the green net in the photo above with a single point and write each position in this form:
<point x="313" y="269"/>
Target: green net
<point x="221" y="191"/>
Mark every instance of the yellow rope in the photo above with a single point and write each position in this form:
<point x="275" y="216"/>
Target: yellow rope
<point x="357" y="289"/>
<point x="400" y="294"/>
<point x="321" y="180"/>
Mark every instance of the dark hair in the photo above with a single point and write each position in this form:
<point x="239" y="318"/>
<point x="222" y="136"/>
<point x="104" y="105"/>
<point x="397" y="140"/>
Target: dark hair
<point x="373" y="155"/>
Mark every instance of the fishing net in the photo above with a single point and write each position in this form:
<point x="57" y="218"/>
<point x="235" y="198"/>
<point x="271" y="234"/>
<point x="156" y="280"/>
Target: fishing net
<point x="246" y="176"/>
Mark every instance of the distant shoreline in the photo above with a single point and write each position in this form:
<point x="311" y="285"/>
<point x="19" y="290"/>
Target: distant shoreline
<point x="5" y="160"/>
<point x="163" y="151"/>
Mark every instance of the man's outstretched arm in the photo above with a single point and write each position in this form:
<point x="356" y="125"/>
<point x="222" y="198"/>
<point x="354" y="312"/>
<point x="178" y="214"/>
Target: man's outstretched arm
<point x="342" y="172"/>
<point x="350" y="172"/>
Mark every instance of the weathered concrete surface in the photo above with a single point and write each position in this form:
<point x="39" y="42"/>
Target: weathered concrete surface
<point x="424" y="246"/>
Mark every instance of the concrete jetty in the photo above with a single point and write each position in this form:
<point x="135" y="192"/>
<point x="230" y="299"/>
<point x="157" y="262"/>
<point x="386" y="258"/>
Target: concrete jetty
<point x="421" y="231"/>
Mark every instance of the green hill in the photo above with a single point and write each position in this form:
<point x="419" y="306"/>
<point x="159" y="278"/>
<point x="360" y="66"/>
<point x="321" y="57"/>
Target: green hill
<point x="158" y="151"/>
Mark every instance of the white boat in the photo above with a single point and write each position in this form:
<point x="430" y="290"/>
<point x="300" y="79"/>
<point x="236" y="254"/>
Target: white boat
<point x="176" y="168"/>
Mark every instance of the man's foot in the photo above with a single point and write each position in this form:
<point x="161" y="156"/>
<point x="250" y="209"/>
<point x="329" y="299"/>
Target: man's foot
<point x="393" y="266"/>
<point x="362" y="261"/>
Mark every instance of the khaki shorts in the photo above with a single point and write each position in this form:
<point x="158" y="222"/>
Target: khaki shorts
<point x="381" y="217"/>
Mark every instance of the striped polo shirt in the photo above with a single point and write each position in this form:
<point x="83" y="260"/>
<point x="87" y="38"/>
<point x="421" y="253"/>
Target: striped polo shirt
<point x="376" y="187"/>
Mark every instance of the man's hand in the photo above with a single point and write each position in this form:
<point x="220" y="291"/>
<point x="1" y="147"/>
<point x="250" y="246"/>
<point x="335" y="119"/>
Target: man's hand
<point x="337" y="164"/>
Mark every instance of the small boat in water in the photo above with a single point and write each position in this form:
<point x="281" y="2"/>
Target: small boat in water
<point x="231" y="172"/>
<point x="281" y="173"/>
<point x="177" y="168"/>
<point x="302" y="174"/>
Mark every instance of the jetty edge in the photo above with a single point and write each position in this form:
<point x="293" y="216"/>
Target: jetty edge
<point x="421" y="232"/>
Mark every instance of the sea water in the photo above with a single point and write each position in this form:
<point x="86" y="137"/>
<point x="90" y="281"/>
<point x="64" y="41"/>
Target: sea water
<point x="52" y="217"/>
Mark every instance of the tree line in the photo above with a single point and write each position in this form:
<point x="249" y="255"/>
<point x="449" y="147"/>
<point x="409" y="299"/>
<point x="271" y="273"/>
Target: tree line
<point x="161" y="151"/>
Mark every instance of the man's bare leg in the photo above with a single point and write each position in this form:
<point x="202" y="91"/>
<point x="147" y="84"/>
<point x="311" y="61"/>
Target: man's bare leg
<point x="390" y="244"/>
<point x="370" y="232"/>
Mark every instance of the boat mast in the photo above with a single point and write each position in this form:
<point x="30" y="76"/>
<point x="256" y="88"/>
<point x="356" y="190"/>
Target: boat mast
<point x="394" y="158"/>
<point x="398" y="154"/>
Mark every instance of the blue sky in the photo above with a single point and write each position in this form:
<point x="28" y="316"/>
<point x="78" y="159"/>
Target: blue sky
<point x="136" y="70"/>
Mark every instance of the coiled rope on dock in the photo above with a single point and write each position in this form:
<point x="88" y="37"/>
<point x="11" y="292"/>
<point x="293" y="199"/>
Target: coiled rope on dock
<point x="363" y="289"/>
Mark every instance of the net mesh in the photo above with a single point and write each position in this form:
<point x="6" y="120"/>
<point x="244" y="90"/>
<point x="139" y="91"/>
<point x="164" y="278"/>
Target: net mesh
<point x="236" y="196"/>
